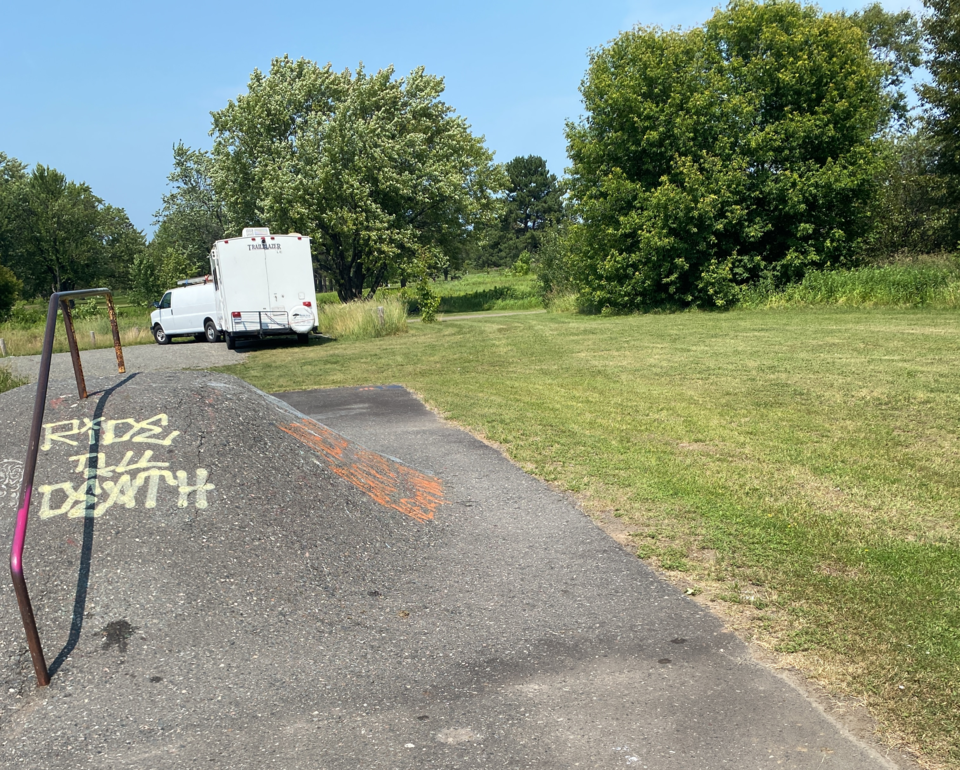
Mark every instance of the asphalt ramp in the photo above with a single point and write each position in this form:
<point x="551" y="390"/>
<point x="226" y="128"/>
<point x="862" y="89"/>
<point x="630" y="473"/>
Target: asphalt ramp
<point x="341" y="580"/>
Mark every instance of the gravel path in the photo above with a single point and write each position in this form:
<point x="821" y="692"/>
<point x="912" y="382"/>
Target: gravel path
<point x="138" y="358"/>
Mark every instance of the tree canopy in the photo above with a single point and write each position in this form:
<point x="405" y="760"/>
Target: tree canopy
<point x="942" y="98"/>
<point x="56" y="234"/>
<point x="377" y="170"/>
<point x="894" y="39"/>
<point x="531" y="202"/>
<point x="741" y="150"/>
<point x="191" y="218"/>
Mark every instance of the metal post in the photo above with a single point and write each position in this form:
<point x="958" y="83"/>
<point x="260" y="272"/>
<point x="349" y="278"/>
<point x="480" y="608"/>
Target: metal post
<point x="26" y="489"/>
<point x="74" y="349"/>
<point x="30" y="464"/>
<point x="111" y="311"/>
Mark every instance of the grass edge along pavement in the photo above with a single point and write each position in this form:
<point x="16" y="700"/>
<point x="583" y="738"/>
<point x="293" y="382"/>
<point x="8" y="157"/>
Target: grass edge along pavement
<point x="795" y="468"/>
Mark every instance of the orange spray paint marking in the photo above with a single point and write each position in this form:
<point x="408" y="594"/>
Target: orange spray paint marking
<point x="389" y="483"/>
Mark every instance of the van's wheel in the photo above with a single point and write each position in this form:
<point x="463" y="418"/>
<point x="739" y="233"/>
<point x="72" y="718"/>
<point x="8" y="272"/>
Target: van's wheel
<point x="231" y="341"/>
<point x="210" y="331"/>
<point x="160" y="335"/>
<point x="303" y="339"/>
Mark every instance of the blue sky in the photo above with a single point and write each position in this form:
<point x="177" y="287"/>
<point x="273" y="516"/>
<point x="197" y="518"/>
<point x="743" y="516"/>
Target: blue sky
<point x="102" y="90"/>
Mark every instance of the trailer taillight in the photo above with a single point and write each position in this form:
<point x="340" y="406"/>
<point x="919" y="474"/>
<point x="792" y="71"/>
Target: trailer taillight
<point x="235" y="314"/>
<point x="307" y="303"/>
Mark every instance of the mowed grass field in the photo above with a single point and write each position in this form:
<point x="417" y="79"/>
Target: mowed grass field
<point x="798" y="470"/>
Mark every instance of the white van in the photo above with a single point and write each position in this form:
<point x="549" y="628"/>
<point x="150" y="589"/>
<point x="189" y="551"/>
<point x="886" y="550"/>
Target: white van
<point x="264" y="285"/>
<point x="189" y="310"/>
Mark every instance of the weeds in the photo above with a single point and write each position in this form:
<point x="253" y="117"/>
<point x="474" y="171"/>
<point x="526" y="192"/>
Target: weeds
<point x="363" y="320"/>
<point x="900" y="286"/>
<point x="8" y="380"/>
<point x="22" y="340"/>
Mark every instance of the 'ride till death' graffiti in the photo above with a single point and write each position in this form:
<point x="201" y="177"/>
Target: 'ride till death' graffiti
<point x="103" y="485"/>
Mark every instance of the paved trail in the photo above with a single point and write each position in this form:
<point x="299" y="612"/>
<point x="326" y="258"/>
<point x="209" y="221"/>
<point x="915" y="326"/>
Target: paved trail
<point x="181" y="354"/>
<point x="244" y="587"/>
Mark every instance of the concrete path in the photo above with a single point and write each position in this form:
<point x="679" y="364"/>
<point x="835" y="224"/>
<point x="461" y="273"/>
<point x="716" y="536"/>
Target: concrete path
<point x="242" y="587"/>
<point x="180" y="354"/>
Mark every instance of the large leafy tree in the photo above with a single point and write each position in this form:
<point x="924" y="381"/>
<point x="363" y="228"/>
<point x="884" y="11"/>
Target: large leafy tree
<point x="914" y="213"/>
<point x="942" y="98"/>
<point x="895" y="40"/>
<point x="56" y="234"/>
<point x="532" y="201"/>
<point x="13" y="176"/>
<point x="192" y="216"/>
<point x="742" y="150"/>
<point x="378" y="170"/>
<point x="69" y="237"/>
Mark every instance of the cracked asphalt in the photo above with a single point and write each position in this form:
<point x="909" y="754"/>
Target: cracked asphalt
<point x="239" y="586"/>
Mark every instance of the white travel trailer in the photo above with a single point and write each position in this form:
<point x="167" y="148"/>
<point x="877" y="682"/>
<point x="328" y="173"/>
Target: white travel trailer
<point x="263" y="285"/>
<point x="189" y="310"/>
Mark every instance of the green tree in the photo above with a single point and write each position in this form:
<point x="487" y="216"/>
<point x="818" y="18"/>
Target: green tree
<point x="531" y="203"/>
<point x="13" y="177"/>
<point x="376" y="170"/>
<point x="914" y="212"/>
<point x="68" y="238"/>
<point x="895" y="40"/>
<point x="709" y="159"/>
<point x="192" y="217"/>
<point x="942" y="99"/>
<point x="61" y="236"/>
<point x="10" y="287"/>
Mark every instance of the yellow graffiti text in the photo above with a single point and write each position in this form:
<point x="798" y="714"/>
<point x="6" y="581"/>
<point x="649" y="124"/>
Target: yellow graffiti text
<point x="94" y="497"/>
<point x="109" y="431"/>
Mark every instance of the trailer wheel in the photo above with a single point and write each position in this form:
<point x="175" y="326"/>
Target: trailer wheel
<point x="303" y="339"/>
<point x="210" y="331"/>
<point x="160" y="335"/>
<point x="231" y="341"/>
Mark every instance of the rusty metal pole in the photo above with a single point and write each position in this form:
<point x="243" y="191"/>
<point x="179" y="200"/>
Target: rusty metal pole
<point x="121" y="367"/>
<point x="26" y="491"/>
<point x="74" y="349"/>
<point x="30" y="464"/>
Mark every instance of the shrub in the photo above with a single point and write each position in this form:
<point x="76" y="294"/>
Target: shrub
<point x="10" y="287"/>
<point x="427" y="301"/>
<point x="23" y="315"/>
<point x="87" y="309"/>
<point x="889" y="286"/>
<point x="361" y="319"/>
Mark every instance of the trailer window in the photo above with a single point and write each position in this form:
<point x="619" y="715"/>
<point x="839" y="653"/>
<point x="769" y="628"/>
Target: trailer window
<point x="165" y="302"/>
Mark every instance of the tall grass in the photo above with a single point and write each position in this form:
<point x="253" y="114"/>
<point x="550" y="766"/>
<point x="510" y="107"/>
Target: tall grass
<point x="898" y="286"/>
<point x="361" y="320"/>
<point x="481" y="292"/>
<point x="28" y="340"/>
